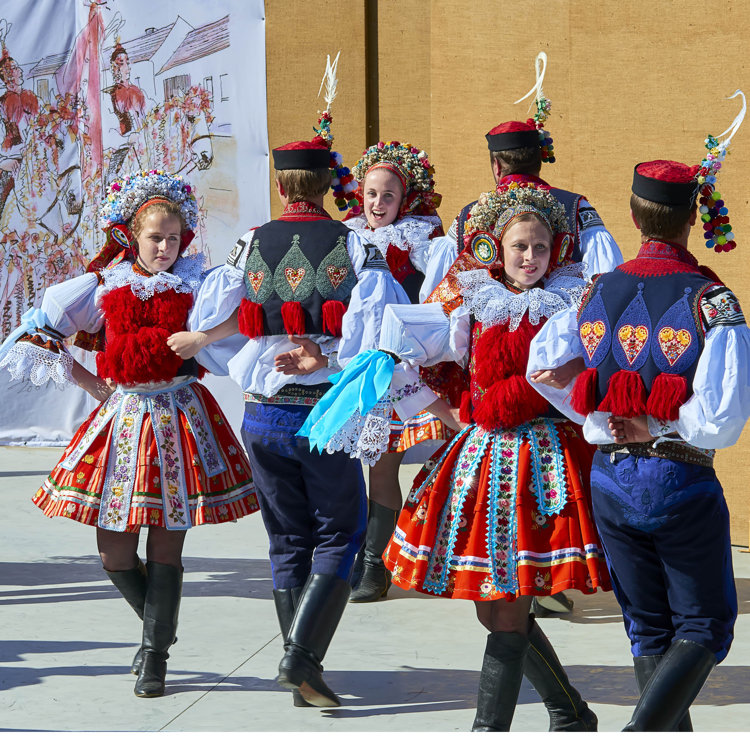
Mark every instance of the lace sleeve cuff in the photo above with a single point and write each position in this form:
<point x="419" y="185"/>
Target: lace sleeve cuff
<point x="38" y="359"/>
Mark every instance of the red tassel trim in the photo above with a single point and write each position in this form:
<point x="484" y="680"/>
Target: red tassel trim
<point x="250" y="319"/>
<point x="333" y="316"/>
<point x="294" y="318"/>
<point x="583" y="395"/>
<point x="626" y="395"/>
<point x="668" y="394"/>
<point x="465" y="409"/>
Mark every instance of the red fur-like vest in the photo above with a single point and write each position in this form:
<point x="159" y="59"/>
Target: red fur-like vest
<point x="500" y="396"/>
<point x="136" y="334"/>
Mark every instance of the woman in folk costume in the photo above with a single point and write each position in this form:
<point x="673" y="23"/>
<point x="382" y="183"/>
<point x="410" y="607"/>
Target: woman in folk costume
<point x="158" y="452"/>
<point x="397" y="213"/>
<point x="502" y="514"/>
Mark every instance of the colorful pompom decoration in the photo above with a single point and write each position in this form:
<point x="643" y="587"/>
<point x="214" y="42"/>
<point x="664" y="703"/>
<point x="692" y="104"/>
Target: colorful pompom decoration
<point x="543" y="108"/>
<point x="717" y="230"/>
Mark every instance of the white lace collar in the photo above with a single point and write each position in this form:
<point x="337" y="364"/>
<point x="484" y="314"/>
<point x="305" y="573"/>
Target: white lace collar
<point x="185" y="277"/>
<point x="492" y="303"/>
<point x="406" y="234"/>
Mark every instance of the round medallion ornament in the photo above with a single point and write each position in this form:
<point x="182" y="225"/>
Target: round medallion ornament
<point x="484" y="248"/>
<point x="564" y="247"/>
<point x="120" y="236"/>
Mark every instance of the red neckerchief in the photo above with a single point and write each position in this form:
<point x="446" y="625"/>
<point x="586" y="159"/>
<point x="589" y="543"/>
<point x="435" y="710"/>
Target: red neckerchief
<point x="304" y="211"/>
<point x="656" y="258"/>
<point x="533" y="179"/>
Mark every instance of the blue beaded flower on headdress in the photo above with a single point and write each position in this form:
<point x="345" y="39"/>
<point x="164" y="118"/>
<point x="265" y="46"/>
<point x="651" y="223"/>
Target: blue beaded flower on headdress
<point x="127" y="193"/>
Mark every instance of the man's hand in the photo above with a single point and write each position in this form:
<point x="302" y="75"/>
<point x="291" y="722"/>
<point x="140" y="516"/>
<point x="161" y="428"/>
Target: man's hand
<point x="633" y="430"/>
<point x="561" y="376"/>
<point x="186" y="344"/>
<point x="303" y="360"/>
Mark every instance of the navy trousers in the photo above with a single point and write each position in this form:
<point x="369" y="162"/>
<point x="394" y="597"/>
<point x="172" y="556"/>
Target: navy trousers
<point x="664" y="526"/>
<point x="314" y="506"/>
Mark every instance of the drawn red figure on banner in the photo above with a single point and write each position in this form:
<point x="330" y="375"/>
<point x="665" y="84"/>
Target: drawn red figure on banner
<point x="128" y="101"/>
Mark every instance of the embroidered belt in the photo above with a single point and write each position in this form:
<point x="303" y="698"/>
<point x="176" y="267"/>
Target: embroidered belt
<point x="293" y="394"/>
<point x="672" y="450"/>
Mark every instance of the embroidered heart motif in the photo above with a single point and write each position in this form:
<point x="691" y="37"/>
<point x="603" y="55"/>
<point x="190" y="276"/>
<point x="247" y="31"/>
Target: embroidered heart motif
<point x="256" y="279"/>
<point x="294" y="276"/>
<point x="674" y="344"/>
<point x="592" y="335"/>
<point x="336" y="275"/>
<point x="632" y="340"/>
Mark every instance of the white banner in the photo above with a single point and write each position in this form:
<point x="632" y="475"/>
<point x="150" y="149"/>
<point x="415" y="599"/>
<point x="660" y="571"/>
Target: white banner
<point x="90" y="90"/>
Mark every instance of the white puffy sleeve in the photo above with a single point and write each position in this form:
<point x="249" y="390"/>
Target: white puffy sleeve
<point x="556" y="343"/>
<point x="376" y="288"/>
<point x="442" y="254"/>
<point x="219" y="296"/>
<point x="423" y="335"/>
<point x="36" y="349"/>
<point x="598" y="247"/>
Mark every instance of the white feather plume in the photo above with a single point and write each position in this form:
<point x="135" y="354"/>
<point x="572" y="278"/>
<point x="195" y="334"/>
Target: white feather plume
<point x="5" y="27"/>
<point x="330" y="80"/>
<point x="734" y="127"/>
<point x="540" y="66"/>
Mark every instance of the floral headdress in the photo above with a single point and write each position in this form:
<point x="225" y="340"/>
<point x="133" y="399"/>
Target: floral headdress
<point x="491" y="214"/>
<point x="343" y="183"/>
<point x="413" y="168"/>
<point x="543" y="109"/>
<point x="128" y="193"/>
<point x="713" y="213"/>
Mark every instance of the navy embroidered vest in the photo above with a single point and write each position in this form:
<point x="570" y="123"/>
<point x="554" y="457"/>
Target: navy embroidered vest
<point x="299" y="279"/>
<point x="570" y="201"/>
<point x="642" y="334"/>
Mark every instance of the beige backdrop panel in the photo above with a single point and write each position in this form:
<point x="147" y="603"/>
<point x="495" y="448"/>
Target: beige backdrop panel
<point x="628" y="82"/>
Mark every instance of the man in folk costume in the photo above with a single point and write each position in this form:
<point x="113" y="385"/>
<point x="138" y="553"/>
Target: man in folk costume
<point x="303" y="277"/>
<point x="517" y="151"/>
<point x="662" y="352"/>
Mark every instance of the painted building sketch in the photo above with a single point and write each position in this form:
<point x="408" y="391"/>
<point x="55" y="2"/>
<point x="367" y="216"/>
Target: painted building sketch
<point x="116" y="100"/>
<point x="92" y="89"/>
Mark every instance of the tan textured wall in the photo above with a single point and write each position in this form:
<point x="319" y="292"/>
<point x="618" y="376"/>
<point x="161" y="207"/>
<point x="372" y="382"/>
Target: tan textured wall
<point x="628" y="82"/>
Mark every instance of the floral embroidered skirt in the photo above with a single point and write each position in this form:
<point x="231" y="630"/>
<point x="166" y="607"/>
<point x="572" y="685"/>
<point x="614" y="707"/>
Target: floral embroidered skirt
<point x="152" y="458"/>
<point x="500" y="514"/>
<point x="424" y="426"/>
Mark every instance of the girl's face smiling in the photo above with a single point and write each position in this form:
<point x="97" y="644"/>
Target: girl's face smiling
<point x="526" y="248"/>
<point x="383" y="196"/>
<point x="159" y="242"/>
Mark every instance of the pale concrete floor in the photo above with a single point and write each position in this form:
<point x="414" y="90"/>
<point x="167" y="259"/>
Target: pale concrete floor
<point x="406" y="664"/>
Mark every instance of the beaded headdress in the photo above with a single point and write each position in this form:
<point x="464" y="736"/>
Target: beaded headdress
<point x="491" y="214"/>
<point x="413" y="168"/>
<point x="343" y="184"/>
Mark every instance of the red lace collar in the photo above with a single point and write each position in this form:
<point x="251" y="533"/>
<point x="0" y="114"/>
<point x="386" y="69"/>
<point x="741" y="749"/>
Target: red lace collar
<point x="656" y="250"/>
<point x="304" y="211"/>
<point x="522" y="178"/>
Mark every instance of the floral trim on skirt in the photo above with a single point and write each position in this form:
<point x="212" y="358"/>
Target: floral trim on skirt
<point x="501" y="514"/>
<point x="152" y="458"/>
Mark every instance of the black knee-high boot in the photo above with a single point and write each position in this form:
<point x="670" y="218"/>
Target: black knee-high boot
<point x="500" y="681"/>
<point x="376" y="578"/>
<point x="568" y="712"/>
<point x="672" y="688"/>
<point x="159" y="627"/>
<point x="315" y="621"/>
<point x="644" y="667"/>
<point x="132" y="585"/>
<point x="286" y="601"/>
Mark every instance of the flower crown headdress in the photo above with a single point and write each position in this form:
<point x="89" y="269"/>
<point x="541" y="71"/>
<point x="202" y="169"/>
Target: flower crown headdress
<point x="343" y="183"/>
<point x="543" y="109"/>
<point x="128" y="193"/>
<point x="413" y="168"/>
<point x="491" y="214"/>
<point x="713" y="213"/>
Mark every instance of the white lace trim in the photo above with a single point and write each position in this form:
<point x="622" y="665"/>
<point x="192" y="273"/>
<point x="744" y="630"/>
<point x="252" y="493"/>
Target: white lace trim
<point x="365" y="438"/>
<point x="493" y="304"/>
<point x="186" y="277"/>
<point x="412" y="233"/>
<point x="40" y="365"/>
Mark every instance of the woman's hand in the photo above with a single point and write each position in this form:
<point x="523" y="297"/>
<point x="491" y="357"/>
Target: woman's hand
<point x="447" y="414"/>
<point x="560" y="377"/>
<point x="95" y="386"/>
<point x="303" y="360"/>
<point x="186" y="344"/>
<point x="633" y="430"/>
